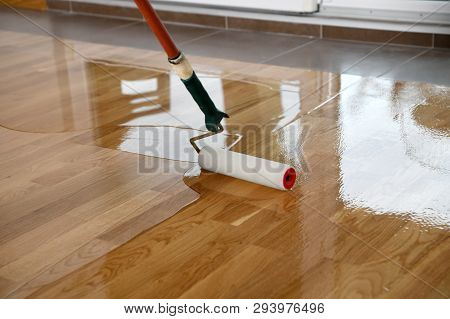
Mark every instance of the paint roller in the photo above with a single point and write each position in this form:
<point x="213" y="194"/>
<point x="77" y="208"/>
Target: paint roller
<point x="249" y="168"/>
<point x="219" y="160"/>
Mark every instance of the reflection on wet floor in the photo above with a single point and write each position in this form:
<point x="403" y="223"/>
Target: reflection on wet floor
<point x="395" y="129"/>
<point x="369" y="217"/>
<point x="165" y="142"/>
<point x="388" y="162"/>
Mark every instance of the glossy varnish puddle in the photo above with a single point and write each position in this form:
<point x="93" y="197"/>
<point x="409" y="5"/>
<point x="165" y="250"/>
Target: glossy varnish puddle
<point x="368" y="218"/>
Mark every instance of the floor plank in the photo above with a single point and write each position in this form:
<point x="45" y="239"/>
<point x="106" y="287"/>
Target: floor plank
<point x="95" y="203"/>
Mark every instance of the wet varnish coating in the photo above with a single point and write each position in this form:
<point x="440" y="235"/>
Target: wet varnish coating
<point x="370" y="216"/>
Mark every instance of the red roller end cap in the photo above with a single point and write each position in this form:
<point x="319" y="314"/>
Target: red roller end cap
<point x="289" y="178"/>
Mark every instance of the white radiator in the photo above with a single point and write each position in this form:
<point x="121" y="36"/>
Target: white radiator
<point x="294" y="6"/>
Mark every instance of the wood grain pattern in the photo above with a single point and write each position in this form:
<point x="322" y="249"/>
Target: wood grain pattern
<point x="79" y="218"/>
<point x="27" y="4"/>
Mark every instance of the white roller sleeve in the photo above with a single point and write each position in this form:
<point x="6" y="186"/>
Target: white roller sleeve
<point x="246" y="167"/>
<point x="183" y="69"/>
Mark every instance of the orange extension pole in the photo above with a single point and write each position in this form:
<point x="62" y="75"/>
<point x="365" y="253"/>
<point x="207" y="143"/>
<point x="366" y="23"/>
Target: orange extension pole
<point x="182" y="68"/>
<point x="158" y="28"/>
